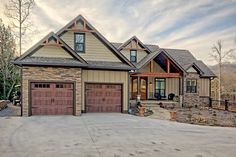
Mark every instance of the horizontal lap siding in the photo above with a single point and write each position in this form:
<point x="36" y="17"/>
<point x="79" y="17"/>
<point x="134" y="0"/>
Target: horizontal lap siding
<point x="52" y="51"/>
<point x="102" y="76"/>
<point x="140" y="54"/>
<point x="95" y="50"/>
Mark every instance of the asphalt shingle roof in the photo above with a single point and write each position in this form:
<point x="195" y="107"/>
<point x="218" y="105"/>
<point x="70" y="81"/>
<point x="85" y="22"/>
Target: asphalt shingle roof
<point x="109" y="65"/>
<point x="183" y="58"/>
<point x="50" y="61"/>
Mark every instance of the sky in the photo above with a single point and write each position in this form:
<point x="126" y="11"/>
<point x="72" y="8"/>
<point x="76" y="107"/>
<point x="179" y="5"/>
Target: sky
<point x="195" y="25"/>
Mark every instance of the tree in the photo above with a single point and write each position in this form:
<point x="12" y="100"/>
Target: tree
<point x="8" y="72"/>
<point x="219" y="55"/>
<point x="19" y="11"/>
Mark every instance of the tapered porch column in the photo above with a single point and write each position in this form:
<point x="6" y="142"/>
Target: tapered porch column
<point x="138" y="85"/>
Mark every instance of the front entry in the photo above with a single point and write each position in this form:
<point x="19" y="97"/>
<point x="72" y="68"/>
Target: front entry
<point x="143" y="88"/>
<point x="52" y="98"/>
<point x="103" y="97"/>
<point x="139" y="87"/>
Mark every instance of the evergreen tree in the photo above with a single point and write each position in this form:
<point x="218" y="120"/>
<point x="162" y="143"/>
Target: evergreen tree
<point x="9" y="74"/>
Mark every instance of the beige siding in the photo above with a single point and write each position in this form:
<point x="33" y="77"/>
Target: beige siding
<point x="133" y="44"/>
<point x="172" y="86"/>
<point x="151" y="87"/>
<point x="191" y="70"/>
<point x="52" y="51"/>
<point x="101" y="76"/>
<point x="146" y="68"/>
<point x="157" y="68"/>
<point x="204" y="87"/>
<point x="140" y="54"/>
<point x="95" y="50"/>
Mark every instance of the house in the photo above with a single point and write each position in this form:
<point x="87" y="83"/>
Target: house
<point x="78" y="70"/>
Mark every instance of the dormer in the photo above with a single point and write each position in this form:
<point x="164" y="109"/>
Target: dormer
<point x="134" y="50"/>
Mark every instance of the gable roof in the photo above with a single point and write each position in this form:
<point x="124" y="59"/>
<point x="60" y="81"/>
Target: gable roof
<point x="99" y="35"/>
<point x="185" y="59"/>
<point x="38" y="45"/>
<point x="130" y="40"/>
<point x="182" y="58"/>
<point x="147" y="59"/>
<point x="195" y="66"/>
<point x="45" y="61"/>
<point x="206" y="70"/>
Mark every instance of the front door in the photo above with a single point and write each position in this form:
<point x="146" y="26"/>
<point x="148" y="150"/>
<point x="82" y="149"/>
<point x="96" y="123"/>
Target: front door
<point x="143" y="88"/>
<point x="160" y="88"/>
<point x="134" y="87"/>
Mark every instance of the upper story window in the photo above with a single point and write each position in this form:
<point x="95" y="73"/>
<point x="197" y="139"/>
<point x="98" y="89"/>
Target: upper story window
<point x="191" y="86"/>
<point x="79" y="42"/>
<point x="133" y="56"/>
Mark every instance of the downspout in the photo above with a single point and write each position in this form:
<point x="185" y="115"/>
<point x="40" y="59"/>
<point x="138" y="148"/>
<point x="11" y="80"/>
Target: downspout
<point x="183" y="88"/>
<point x="129" y="92"/>
<point x="21" y="90"/>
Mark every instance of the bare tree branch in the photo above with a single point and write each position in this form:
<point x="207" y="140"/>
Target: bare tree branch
<point x="219" y="55"/>
<point x="18" y="11"/>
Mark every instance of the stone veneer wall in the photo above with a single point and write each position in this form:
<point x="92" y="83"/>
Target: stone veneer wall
<point x="50" y="74"/>
<point x="191" y="99"/>
<point x="204" y="101"/>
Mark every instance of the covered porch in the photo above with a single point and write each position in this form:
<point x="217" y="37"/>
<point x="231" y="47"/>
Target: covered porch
<point x="155" y="87"/>
<point x="158" y="79"/>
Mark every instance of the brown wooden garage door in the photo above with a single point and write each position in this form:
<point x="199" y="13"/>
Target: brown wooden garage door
<point x="51" y="98"/>
<point x="103" y="97"/>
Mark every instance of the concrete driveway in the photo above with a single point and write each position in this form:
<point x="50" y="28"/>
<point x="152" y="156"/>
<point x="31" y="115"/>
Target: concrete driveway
<point x="111" y="135"/>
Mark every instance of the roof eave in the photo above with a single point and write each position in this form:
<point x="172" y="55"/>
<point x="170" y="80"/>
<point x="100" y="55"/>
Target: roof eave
<point x="47" y="64"/>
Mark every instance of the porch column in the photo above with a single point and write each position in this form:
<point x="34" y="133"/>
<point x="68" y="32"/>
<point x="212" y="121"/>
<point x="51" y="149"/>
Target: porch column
<point x="138" y="85"/>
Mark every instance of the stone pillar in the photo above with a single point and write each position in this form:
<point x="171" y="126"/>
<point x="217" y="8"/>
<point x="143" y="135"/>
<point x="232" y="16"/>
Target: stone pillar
<point x="191" y="99"/>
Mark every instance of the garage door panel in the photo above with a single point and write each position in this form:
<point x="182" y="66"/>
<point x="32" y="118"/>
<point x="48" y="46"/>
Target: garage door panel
<point x="103" y="97"/>
<point x="52" y="98"/>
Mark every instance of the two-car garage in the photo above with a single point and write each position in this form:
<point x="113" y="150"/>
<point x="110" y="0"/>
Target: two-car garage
<point x="57" y="98"/>
<point x="73" y="91"/>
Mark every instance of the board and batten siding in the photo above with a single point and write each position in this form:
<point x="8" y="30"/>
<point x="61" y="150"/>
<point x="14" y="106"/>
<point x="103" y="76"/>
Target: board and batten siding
<point x="204" y="87"/>
<point x="172" y="86"/>
<point x="95" y="50"/>
<point x="52" y="51"/>
<point x="105" y="76"/>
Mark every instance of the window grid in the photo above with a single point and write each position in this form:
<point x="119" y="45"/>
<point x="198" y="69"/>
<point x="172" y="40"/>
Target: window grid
<point x="191" y="86"/>
<point x="80" y="42"/>
<point x="133" y="56"/>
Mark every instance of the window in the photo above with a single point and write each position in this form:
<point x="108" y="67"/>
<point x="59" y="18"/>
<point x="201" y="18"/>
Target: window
<point x="160" y="87"/>
<point x="191" y="86"/>
<point x="134" y="87"/>
<point x="133" y="56"/>
<point x="79" y="42"/>
<point x="41" y="85"/>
